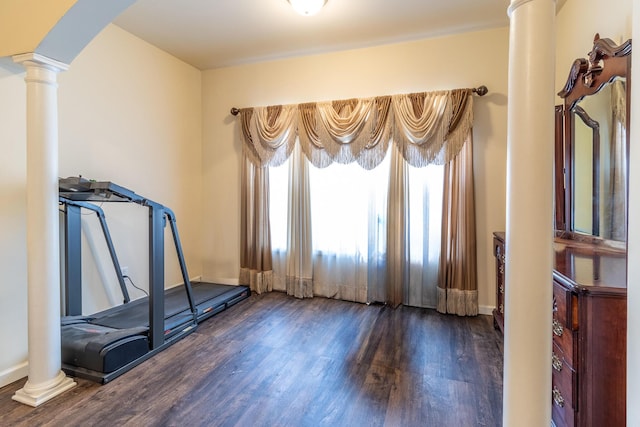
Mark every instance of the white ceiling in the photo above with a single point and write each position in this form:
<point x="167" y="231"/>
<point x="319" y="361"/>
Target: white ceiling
<point x="217" y="33"/>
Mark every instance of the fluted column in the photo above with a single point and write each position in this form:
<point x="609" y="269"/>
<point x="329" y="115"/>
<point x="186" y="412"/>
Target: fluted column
<point x="46" y="380"/>
<point x="529" y="230"/>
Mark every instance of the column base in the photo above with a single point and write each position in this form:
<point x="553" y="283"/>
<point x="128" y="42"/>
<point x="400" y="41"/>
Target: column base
<point x="35" y="395"/>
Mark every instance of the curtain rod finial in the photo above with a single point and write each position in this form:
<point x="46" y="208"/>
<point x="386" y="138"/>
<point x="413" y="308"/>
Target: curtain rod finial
<point x="234" y="111"/>
<point x="481" y="90"/>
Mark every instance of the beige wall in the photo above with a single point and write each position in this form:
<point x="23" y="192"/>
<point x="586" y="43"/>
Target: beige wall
<point x="129" y="113"/>
<point x="13" y="243"/>
<point x="466" y="60"/>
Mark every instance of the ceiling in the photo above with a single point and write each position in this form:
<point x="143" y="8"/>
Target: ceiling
<point x="219" y="33"/>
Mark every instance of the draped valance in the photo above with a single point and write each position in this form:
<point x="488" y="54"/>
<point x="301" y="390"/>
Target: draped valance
<point x="427" y="127"/>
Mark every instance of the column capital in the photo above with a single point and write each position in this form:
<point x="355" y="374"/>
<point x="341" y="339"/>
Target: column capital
<point x="517" y="3"/>
<point x="35" y="59"/>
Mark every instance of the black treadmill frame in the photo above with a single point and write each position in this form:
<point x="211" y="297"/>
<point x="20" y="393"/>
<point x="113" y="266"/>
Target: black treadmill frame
<point x="74" y="194"/>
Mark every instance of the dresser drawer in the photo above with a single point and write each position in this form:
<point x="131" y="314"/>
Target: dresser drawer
<point x="563" y="372"/>
<point x="500" y="301"/>
<point x="562" y="416"/>
<point x="558" y="356"/>
<point x="563" y="395"/>
<point x="565" y="306"/>
<point x="563" y="342"/>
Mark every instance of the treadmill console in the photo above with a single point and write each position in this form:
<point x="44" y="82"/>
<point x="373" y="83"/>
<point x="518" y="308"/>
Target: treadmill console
<point x="86" y="190"/>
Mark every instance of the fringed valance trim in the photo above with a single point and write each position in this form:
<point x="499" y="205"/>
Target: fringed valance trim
<point x="299" y="287"/>
<point x="421" y="126"/>
<point x="269" y="133"/>
<point x="427" y="127"/>
<point x="456" y="301"/>
<point x="258" y="281"/>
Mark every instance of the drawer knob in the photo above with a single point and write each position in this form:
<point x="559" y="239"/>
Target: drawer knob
<point x="557" y="397"/>
<point x="558" y="330"/>
<point x="501" y="268"/>
<point x="501" y="308"/>
<point x="501" y="289"/>
<point x="556" y="362"/>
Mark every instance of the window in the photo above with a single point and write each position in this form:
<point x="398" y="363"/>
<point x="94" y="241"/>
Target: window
<point x="348" y="207"/>
<point x="349" y="230"/>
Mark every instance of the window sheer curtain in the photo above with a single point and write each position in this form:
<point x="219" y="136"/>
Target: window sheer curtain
<point x="614" y="198"/>
<point x="348" y="208"/>
<point x="299" y="267"/>
<point x="419" y="130"/>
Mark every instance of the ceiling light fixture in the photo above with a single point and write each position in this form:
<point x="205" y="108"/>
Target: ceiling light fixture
<point x="307" y="7"/>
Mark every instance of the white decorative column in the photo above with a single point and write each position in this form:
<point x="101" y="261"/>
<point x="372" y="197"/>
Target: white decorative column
<point x="633" y="244"/>
<point x="529" y="230"/>
<point x="45" y="380"/>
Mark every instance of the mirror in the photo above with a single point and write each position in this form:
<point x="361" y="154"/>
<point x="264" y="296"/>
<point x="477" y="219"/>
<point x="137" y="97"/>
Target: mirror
<point x="585" y="192"/>
<point x="592" y="144"/>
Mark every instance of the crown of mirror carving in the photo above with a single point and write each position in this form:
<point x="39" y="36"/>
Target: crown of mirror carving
<point x="592" y="146"/>
<point x="587" y="76"/>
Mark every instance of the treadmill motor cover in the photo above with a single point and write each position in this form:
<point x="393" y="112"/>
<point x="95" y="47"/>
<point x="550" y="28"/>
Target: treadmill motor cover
<point x="100" y="348"/>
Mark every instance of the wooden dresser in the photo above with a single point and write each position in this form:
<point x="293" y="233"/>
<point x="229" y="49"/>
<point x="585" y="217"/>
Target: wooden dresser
<point x="498" y="253"/>
<point x="589" y="335"/>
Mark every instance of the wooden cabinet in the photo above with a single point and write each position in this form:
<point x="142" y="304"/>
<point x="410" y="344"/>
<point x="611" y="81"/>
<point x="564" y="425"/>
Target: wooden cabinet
<point x="589" y="336"/>
<point x="589" y="331"/>
<point x="499" y="254"/>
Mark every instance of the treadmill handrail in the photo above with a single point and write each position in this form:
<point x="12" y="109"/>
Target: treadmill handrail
<point x="107" y="236"/>
<point x="183" y="266"/>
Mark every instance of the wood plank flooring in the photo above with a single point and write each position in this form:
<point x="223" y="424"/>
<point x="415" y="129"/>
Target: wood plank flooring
<point x="273" y="360"/>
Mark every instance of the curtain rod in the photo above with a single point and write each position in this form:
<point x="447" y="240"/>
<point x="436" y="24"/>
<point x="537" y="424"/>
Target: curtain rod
<point x="480" y="91"/>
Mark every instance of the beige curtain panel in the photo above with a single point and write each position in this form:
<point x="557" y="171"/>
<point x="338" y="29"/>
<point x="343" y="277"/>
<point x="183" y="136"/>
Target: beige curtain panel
<point x="255" y="234"/>
<point x="457" y="278"/>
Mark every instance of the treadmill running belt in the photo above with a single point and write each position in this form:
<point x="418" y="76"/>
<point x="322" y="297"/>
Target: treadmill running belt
<point x="203" y="291"/>
<point x="176" y="306"/>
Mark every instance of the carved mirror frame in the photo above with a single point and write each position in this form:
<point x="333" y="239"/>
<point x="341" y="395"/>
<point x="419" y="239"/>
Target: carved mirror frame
<point x="588" y="76"/>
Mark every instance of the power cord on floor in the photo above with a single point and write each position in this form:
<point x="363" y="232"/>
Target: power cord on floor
<point x="134" y="285"/>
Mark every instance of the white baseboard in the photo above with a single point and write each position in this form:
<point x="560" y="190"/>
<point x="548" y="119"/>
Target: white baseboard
<point x="14" y="373"/>
<point x="225" y="281"/>
<point x="485" y="309"/>
<point x="191" y="279"/>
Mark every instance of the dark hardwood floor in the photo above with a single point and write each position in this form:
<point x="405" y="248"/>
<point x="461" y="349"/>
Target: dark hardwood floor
<point x="273" y="360"/>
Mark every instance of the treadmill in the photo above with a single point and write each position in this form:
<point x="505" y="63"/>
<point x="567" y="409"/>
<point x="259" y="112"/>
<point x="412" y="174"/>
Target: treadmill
<point x="104" y="345"/>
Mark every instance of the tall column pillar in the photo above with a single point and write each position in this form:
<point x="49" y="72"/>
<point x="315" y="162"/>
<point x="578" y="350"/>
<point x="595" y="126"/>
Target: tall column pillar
<point x="46" y="380"/>
<point x="529" y="230"/>
<point x="633" y="244"/>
